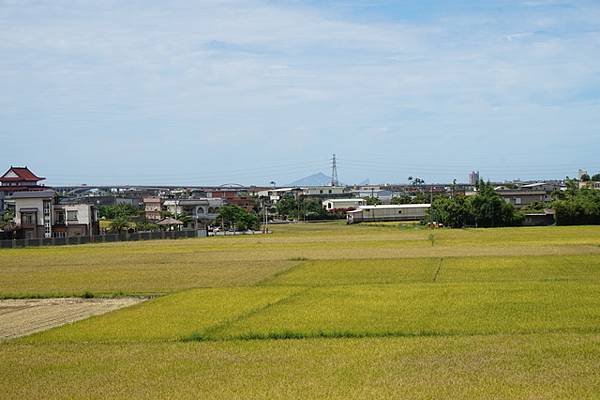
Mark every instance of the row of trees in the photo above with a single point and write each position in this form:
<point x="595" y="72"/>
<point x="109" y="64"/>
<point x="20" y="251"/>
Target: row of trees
<point x="573" y="206"/>
<point x="485" y="209"/>
<point x="577" y="206"/>
<point x="302" y="208"/>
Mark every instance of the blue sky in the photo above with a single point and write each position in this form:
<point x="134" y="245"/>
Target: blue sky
<point x="212" y="92"/>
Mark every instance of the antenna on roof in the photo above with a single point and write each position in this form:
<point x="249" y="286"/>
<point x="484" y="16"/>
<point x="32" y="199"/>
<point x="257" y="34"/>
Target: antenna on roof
<point x="334" y="175"/>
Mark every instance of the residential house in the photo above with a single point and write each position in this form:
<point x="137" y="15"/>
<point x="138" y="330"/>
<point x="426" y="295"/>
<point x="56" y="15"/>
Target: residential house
<point x="18" y="179"/>
<point x="153" y="208"/>
<point x="37" y="216"/>
<point x="203" y="211"/>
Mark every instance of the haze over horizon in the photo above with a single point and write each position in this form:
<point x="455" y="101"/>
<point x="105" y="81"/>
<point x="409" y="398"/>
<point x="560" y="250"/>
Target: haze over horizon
<point x="211" y="92"/>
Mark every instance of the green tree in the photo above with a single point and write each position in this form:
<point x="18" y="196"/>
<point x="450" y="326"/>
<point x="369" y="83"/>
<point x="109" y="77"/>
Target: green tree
<point x="287" y="206"/>
<point x="373" y="201"/>
<point x="485" y="209"/>
<point x="119" y="210"/>
<point x="312" y="209"/>
<point x="596" y="177"/>
<point x="119" y="224"/>
<point x="585" y="178"/>
<point x="577" y="206"/>
<point x="235" y="217"/>
<point x="403" y="199"/>
<point x="490" y="210"/>
<point x="452" y="212"/>
<point x="7" y="219"/>
<point x="420" y="198"/>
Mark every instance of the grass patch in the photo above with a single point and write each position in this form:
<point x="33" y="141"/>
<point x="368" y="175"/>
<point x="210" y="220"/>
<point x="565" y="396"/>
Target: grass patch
<point x="168" y="318"/>
<point x="476" y="367"/>
<point x="416" y="309"/>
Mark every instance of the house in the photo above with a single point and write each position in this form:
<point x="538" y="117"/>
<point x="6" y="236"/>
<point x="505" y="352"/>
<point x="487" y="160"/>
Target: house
<point x="589" y="185"/>
<point x="153" y="208"/>
<point x="33" y="213"/>
<point x="75" y="220"/>
<point x="18" y="179"/>
<point x="384" y="195"/>
<point x="274" y="195"/>
<point x="547" y="217"/>
<point x="325" y="191"/>
<point x="203" y="211"/>
<point x="402" y="212"/>
<point x="37" y="216"/>
<point x="343" y="204"/>
<point x="240" y="198"/>
<point x="521" y="198"/>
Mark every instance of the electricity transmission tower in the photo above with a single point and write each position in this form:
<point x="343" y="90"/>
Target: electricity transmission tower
<point x="334" y="175"/>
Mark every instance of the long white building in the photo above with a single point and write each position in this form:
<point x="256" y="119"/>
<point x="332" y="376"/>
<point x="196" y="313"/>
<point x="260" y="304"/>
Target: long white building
<point x="342" y="204"/>
<point x="401" y="212"/>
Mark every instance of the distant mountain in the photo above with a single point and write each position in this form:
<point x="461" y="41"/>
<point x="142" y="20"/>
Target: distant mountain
<point x="318" y="179"/>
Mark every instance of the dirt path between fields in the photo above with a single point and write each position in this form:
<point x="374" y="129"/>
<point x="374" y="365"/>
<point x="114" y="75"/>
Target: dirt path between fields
<point x="21" y="317"/>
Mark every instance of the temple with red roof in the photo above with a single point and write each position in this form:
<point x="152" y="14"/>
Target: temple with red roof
<point x="20" y="178"/>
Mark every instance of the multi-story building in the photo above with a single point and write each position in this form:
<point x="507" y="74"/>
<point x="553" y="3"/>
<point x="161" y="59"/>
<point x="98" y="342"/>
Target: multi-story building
<point x="474" y="178"/>
<point x="38" y="216"/>
<point x="33" y="213"/>
<point x="18" y="179"/>
<point x="239" y="198"/>
<point x="75" y="220"/>
<point x="203" y="211"/>
<point x="153" y="208"/>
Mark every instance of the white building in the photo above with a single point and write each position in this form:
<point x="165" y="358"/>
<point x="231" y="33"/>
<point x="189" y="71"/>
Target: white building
<point x="33" y="212"/>
<point x="343" y="204"/>
<point x="37" y="216"/>
<point x="401" y="212"/>
<point x="324" y="191"/>
<point x="202" y="210"/>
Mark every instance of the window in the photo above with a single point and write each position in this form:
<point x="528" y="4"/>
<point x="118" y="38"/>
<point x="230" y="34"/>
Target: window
<point x="399" y="211"/>
<point x="517" y="200"/>
<point x="72" y="216"/>
<point x="28" y="219"/>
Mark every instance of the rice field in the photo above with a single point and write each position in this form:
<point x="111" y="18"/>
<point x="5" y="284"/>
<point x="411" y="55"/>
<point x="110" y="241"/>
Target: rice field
<point x="318" y="311"/>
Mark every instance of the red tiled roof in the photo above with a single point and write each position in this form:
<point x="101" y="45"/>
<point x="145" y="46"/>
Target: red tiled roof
<point x="23" y="174"/>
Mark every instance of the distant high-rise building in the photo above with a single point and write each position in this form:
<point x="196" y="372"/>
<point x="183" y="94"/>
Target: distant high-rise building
<point x="473" y="177"/>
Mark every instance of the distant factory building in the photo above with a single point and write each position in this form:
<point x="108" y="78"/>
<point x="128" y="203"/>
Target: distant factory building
<point x="402" y="212"/>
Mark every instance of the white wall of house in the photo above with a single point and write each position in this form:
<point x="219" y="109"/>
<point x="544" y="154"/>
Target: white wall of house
<point x="335" y="204"/>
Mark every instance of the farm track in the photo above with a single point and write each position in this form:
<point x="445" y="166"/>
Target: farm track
<point x="21" y="317"/>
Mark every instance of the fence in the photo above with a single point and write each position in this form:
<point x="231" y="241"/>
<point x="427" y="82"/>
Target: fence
<point x="117" y="237"/>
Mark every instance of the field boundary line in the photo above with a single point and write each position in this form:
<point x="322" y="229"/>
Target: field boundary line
<point x="341" y="334"/>
<point x="269" y="279"/>
<point x="210" y="332"/>
<point x="437" y="272"/>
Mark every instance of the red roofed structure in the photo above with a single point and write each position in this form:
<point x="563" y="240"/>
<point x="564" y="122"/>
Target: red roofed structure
<point x="19" y="176"/>
<point x="18" y="179"/>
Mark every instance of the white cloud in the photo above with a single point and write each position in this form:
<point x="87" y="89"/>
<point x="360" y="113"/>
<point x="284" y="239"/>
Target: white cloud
<point x="221" y="71"/>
